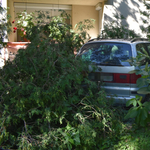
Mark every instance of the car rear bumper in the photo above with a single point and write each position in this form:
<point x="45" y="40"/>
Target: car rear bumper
<point x="122" y="99"/>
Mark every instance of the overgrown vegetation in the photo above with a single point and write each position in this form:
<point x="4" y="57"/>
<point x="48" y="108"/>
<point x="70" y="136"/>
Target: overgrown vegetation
<point x="136" y="136"/>
<point x="43" y="102"/>
<point x="47" y="101"/>
<point x="140" y="111"/>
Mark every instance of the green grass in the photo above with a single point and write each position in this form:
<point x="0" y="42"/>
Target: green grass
<point x="134" y="139"/>
<point x="130" y="137"/>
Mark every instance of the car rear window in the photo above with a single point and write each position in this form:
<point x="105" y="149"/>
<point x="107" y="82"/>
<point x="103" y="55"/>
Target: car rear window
<point x="107" y="54"/>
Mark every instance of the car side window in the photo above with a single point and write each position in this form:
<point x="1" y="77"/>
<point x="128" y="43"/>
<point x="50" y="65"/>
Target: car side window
<point x="140" y="48"/>
<point x="148" y="47"/>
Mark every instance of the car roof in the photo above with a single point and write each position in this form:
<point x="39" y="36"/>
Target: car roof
<point x="135" y="40"/>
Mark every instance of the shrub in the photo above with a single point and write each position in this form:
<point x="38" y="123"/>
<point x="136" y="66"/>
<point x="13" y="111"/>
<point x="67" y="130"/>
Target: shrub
<point x="44" y="104"/>
<point x="140" y="109"/>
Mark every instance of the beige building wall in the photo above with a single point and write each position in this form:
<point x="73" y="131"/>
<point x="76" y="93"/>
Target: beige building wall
<point x="10" y="4"/>
<point x="130" y="9"/>
<point x="81" y="12"/>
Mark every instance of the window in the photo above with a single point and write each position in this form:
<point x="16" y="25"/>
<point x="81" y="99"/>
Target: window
<point x="53" y="9"/>
<point x="141" y="48"/>
<point x="107" y="54"/>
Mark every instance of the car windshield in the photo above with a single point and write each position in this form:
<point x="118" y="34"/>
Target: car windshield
<point x="107" y="54"/>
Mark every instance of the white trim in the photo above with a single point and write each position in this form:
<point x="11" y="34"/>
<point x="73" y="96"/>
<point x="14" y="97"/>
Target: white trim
<point x="4" y="5"/>
<point x="42" y="6"/>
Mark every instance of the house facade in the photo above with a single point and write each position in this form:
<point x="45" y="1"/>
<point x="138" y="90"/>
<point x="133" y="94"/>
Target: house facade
<point x="78" y="9"/>
<point x="102" y="11"/>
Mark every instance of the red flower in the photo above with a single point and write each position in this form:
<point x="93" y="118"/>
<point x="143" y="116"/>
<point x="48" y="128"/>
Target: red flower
<point x="13" y="21"/>
<point x="24" y="32"/>
<point x="15" y="28"/>
<point x="14" y="31"/>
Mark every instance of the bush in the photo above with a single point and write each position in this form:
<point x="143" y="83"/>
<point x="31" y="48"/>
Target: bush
<point x="43" y="102"/>
<point x="141" y="108"/>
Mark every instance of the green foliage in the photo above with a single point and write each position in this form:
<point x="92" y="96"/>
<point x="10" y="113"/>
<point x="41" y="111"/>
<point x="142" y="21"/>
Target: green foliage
<point x="25" y="21"/>
<point x="85" y="25"/>
<point x="115" y="29"/>
<point x="43" y="103"/>
<point x="143" y="58"/>
<point x="133" y="139"/>
<point x="4" y="25"/>
<point x="139" y="111"/>
<point x="143" y="82"/>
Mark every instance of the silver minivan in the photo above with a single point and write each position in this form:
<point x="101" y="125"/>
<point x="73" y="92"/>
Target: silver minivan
<point x="111" y="56"/>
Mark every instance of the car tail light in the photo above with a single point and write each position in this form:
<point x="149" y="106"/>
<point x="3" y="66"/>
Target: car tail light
<point x="114" y="77"/>
<point x="121" y="78"/>
<point x="134" y="77"/>
<point x="124" y="78"/>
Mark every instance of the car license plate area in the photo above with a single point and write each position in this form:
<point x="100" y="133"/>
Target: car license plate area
<point x="107" y="77"/>
<point x="98" y="76"/>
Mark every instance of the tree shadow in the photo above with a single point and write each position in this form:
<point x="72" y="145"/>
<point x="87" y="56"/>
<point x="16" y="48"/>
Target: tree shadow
<point x="130" y="10"/>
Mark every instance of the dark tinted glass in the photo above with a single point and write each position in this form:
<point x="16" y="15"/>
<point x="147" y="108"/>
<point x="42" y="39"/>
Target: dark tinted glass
<point x="108" y="54"/>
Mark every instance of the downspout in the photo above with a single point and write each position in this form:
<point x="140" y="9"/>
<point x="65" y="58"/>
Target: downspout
<point x="4" y="5"/>
<point x="100" y="7"/>
<point x="3" y="51"/>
